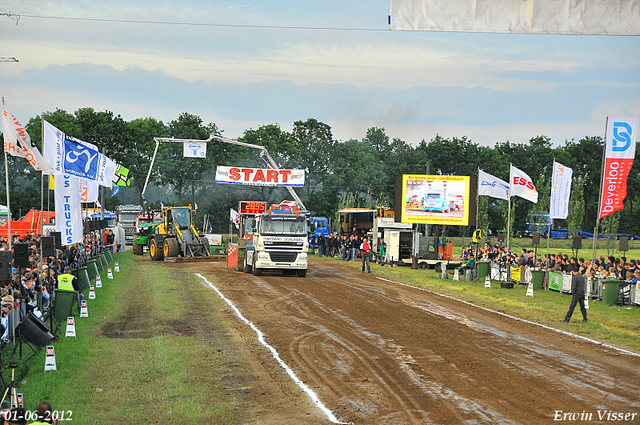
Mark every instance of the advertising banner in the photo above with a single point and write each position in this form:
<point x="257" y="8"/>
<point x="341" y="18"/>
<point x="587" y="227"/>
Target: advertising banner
<point x="579" y="17"/>
<point x="619" y="152"/>
<point x="435" y="199"/>
<point x="68" y="211"/>
<point x="194" y="150"/>
<point x="259" y="176"/>
<point x="516" y="274"/>
<point x="555" y="281"/>
<point x="560" y="191"/>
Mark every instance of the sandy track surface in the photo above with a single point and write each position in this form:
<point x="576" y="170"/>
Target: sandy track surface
<point x="377" y="352"/>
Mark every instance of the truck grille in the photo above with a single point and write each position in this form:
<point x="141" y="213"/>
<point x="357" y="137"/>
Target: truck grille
<point x="283" y="257"/>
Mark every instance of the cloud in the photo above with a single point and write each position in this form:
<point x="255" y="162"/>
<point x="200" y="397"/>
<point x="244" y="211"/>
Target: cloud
<point x="416" y="113"/>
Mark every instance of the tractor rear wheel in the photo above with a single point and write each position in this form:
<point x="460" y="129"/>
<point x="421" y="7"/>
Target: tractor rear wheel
<point x="155" y="250"/>
<point x="171" y="247"/>
<point x="137" y="249"/>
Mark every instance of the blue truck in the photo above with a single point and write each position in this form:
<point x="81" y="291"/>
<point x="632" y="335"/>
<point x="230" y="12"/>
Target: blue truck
<point x="318" y="226"/>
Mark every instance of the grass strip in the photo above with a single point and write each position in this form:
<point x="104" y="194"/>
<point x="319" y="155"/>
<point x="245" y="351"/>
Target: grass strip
<point x="141" y="357"/>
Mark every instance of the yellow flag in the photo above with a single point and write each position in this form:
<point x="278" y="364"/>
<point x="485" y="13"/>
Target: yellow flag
<point x="52" y="185"/>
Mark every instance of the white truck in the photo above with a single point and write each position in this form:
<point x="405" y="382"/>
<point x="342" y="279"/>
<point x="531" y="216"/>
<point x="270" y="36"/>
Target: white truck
<point x="279" y="243"/>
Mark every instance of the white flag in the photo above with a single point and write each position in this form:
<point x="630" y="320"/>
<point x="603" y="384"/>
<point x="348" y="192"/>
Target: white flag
<point x="235" y="217"/>
<point x="194" y="150"/>
<point x="68" y="210"/>
<point x="560" y="191"/>
<point x="521" y="185"/>
<point x="17" y="142"/>
<point x="492" y="186"/>
<point x="88" y="190"/>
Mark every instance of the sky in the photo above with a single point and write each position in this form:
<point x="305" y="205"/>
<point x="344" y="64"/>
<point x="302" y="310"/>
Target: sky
<point x="241" y="64"/>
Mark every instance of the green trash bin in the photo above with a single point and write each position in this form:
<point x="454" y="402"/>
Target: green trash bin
<point x="99" y="263"/>
<point x="107" y="253"/>
<point x="63" y="304"/>
<point x="83" y="279"/>
<point x="610" y="290"/>
<point x="484" y="268"/>
<point x="537" y="278"/>
<point x="92" y="269"/>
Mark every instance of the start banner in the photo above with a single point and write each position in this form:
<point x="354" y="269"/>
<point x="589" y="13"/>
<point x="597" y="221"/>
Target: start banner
<point x="259" y="176"/>
<point x="619" y="152"/>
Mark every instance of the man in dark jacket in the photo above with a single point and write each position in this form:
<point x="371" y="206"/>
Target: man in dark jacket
<point x="578" y="286"/>
<point x="320" y="245"/>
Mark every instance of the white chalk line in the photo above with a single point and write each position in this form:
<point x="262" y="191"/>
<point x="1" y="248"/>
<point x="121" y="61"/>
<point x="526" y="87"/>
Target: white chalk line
<point x="593" y="341"/>
<point x="276" y="356"/>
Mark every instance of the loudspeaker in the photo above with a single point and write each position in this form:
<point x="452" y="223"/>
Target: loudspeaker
<point x="535" y="238"/>
<point x="5" y="266"/>
<point x="35" y="331"/>
<point x="500" y="236"/>
<point x="624" y="244"/>
<point x="21" y="255"/>
<point x="48" y="246"/>
<point x="577" y="242"/>
<point x="57" y="237"/>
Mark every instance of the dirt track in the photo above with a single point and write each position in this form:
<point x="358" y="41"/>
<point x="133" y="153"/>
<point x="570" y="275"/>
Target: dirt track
<point x="376" y="352"/>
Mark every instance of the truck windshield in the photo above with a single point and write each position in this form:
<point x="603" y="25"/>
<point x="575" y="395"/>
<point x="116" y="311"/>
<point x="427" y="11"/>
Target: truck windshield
<point x="127" y="218"/>
<point x="273" y="225"/>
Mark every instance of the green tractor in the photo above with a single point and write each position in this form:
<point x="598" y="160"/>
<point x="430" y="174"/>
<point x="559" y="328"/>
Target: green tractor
<point x="141" y="239"/>
<point x="176" y="236"/>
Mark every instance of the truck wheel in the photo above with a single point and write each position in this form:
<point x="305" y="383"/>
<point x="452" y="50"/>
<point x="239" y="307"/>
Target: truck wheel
<point x="423" y="265"/>
<point x="138" y="249"/>
<point x="155" y="250"/>
<point x="171" y="247"/>
<point x="302" y="273"/>
<point x="247" y="267"/>
<point x="256" y="271"/>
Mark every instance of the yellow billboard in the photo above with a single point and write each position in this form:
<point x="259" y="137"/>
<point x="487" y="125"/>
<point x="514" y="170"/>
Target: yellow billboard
<point x="435" y="199"/>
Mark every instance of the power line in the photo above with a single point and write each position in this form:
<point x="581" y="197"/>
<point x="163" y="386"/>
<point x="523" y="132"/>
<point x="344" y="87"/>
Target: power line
<point x="199" y="24"/>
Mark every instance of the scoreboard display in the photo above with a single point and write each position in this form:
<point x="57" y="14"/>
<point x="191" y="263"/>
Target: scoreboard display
<point x="252" y="207"/>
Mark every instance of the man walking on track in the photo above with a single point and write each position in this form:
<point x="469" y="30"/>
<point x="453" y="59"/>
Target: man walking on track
<point x="577" y="290"/>
<point x="365" y="251"/>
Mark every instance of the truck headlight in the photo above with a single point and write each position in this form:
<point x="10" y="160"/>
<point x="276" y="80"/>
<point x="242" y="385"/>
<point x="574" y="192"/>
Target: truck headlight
<point x="263" y="256"/>
<point x="302" y="256"/>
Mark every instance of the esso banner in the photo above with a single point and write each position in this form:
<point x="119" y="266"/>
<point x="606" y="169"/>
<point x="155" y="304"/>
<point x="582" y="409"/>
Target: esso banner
<point x="520" y="184"/>
<point x="259" y="176"/>
<point x="619" y="152"/>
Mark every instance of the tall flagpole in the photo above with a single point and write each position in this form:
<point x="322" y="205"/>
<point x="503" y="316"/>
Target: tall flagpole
<point x="6" y="177"/>
<point x="550" y="224"/>
<point x="595" y="230"/>
<point x="509" y="212"/>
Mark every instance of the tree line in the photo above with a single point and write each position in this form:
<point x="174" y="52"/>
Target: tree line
<point x="351" y="173"/>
